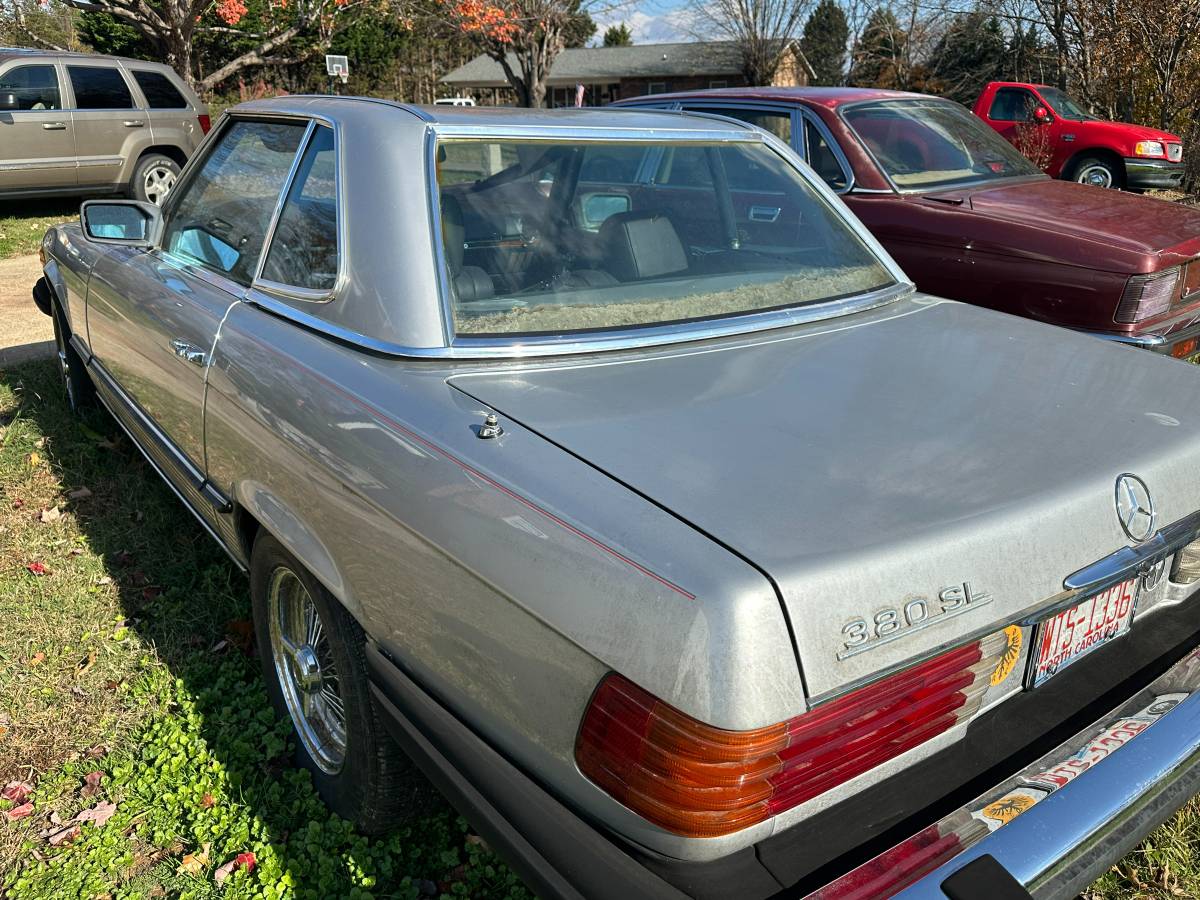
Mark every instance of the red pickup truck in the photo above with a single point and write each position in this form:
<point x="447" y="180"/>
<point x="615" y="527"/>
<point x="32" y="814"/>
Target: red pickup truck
<point x="1055" y="132"/>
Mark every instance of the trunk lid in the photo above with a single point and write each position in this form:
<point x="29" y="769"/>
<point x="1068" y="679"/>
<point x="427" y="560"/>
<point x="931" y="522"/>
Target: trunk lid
<point x="865" y="462"/>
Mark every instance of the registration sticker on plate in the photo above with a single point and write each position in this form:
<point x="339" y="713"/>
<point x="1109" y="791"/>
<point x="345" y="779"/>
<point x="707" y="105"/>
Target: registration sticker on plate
<point x="1077" y="631"/>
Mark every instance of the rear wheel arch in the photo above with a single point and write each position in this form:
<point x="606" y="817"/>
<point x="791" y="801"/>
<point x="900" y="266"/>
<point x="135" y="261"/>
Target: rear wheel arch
<point x="168" y="150"/>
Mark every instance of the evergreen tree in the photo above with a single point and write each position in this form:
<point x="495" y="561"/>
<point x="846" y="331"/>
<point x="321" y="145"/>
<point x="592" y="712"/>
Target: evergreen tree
<point x="877" y="57"/>
<point x="971" y="53"/>
<point x="618" y="36"/>
<point x="826" y="34"/>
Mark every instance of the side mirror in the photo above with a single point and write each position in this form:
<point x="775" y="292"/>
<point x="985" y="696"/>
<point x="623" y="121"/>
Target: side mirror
<point x="127" y="222"/>
<point x="9" y="102"/>
<point x="1042" y="116"/>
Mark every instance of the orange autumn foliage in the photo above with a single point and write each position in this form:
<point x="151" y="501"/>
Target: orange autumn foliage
<point x="486" y="19"/>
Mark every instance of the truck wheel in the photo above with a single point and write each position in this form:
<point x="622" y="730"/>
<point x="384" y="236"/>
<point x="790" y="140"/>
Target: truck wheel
<point x="153" y="178"/>
<point x="77" y="383"/>
<point x="316" y="673"/>
<point x="1098" y="171"/>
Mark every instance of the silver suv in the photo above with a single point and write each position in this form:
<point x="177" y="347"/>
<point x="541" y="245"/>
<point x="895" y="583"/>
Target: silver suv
<point x="74" y="123"/>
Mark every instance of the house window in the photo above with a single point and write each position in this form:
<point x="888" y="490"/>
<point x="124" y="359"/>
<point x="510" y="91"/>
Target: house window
<point x="718" y="84"/>
<point x="656" y="87"/>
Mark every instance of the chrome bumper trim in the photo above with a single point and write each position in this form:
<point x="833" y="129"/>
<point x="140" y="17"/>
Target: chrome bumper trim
<point x="1156" y="343"/>
<point x="1064" y="842"/>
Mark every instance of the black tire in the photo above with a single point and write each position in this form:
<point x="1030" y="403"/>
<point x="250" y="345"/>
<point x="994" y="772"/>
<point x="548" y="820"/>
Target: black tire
<point x="80" y="391"/>
<point x="153" y="177"/>
<point x="376" y="786"/>
<point x="1099" y="171"/>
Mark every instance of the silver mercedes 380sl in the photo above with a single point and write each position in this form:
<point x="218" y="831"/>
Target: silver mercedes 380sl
<point x="605" y="466"/>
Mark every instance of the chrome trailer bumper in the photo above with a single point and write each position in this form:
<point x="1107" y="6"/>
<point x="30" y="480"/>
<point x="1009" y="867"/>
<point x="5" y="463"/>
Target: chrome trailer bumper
<point x="1064" y="842"/>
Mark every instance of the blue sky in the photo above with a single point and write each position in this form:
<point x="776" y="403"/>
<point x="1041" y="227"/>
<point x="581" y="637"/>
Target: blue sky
<point x="651" y="21"/>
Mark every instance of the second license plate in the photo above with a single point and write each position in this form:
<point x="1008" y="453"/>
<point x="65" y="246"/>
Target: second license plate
<point x="1077" y="631"/>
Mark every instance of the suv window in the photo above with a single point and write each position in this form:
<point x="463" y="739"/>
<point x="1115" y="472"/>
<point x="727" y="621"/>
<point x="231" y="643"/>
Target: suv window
<point x="220" y="217"/>
<point x="822" y="158"/>
<point x="36" y="87"/>
<point x="158" y="90"/>
<point x="304" y="250"/>
<point x="1012" y="105"/>
<point x="99" y="87"/>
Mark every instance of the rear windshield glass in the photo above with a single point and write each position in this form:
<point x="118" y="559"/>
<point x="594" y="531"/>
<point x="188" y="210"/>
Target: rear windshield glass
<point x="551" y="238"/>
<point x="925" y="144"/>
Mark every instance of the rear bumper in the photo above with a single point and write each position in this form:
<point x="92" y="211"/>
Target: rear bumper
<point x="1160" y="341"/>
<point x="1055" y="848"/>
<point x="1152" y="173"/>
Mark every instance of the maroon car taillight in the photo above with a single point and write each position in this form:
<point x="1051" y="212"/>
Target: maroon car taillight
<point x="895" y="869"/>
<point x="698" y="781"/>
<point x="205" y="123"/>
<point x="1146" y="296"/>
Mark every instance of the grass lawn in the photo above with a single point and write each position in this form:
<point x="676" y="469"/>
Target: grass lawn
<point x="129" y="692"/>
<point x="125" y="680"/>
<point x="23" y="222"/>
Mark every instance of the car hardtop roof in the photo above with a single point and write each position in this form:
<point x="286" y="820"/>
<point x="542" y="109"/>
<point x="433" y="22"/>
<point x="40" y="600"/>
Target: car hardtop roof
<point x="498" y="117"/>
<point x="7" y="53"/>
<point x="831" y="97"/>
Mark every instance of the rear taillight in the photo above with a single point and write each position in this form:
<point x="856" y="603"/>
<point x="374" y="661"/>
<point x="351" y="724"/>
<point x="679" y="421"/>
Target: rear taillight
<point x="1148" y="295"/>
<point x="1184" y="349"/>
<point x="698" y="781"/>
<point x="1186" y="568"/>
<point x="205" y="123"/>
<point x="895" y="869"/>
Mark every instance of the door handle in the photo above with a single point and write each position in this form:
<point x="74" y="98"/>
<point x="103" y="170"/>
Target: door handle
<point x="54" y="126"/>
<point x="134" y="123"/>
<point x="189" y="352"/>
<point x="764" y="213"/>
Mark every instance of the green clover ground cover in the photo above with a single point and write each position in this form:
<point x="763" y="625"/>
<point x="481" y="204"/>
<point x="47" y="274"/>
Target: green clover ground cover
<point x="129" y="692"/>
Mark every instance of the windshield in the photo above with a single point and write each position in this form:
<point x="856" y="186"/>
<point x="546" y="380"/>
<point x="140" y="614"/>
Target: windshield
<point x="926" y="144"/>
<point x="1063" y="104"/>
<point x="551" y="238"/>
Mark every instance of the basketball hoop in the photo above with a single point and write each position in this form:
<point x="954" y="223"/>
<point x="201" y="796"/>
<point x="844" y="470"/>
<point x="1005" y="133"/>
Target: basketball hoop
<point x="338" y="67"/>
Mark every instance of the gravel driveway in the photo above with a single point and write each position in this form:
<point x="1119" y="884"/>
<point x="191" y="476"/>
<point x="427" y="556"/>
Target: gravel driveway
<point x="24" y="332"/>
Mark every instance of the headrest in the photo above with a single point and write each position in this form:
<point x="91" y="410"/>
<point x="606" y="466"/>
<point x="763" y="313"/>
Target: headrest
<point x="641" y="245"/>
<point x="453" y="232"/>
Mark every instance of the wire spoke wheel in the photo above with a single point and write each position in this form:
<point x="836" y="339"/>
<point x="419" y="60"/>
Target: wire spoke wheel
<point x="306" y="671"/>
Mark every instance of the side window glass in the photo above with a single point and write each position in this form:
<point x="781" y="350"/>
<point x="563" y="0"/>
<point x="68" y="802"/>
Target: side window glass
<point x="220" y="217"/>
<point x="35" y="87"/>
<point x="304" y="250"/>
<point x="158" y="90"/>
<point x="98" y="87"/>
<point x="1012" y="105"/>
<point x="822" y="158"/>
<point x="777" y="123"/>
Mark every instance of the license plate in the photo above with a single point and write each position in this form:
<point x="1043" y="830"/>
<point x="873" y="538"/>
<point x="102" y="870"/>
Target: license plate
<point x="1076" y="632"/>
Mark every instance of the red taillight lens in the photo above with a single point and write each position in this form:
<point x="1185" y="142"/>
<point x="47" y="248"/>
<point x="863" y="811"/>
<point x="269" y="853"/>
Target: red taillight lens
<point x="205" y="123"/>
<point x="1148" y="295"/>
<point x="699" y="781"/>
<point x="895" y="869"/>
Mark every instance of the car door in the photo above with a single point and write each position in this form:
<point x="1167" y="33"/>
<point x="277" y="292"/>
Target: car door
<point x="108" y="127"/>
<point x="153" y="316"/>
<point x="37" y="143"/>
<point x="168" y="112"/>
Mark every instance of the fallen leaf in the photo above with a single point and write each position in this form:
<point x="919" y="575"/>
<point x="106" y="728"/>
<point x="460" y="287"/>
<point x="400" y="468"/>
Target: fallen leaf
<point x="91" y="784"/>
<point x="104" y="579"/>
<point x="34" y="459"/>
<point x="17" y="791"/>
<point x="50" y="515"/>
<point x="79" y="494"/>
<point x="19" y="812"/>
<point x="18" y="503"/>
<point x="138" y="577"/>
<point x="97" y="752"/>
<point x="75" y="551"/>
<point x="207" y="801"/>
<point x="98" y="814"/>
<point x="224" y="872"/>
<point x="86" y="663"/>
<point x="64" y="835"/>
<point x="240" y="632"/>
<point x="247" y="861"/>
<point x="111" y="685"/>
<point x="38" y="569"/>
<point x="218" y="646"/>
<point x="151" y="591"/>
<point x="40" y="443"/>
<point x="37" y="659"/>
<point x="193" y="863"/>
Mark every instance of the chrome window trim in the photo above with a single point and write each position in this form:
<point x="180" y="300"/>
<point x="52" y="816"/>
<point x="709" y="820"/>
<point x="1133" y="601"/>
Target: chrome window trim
<point x="519" y="346"/>
<point x="896" y="189"/>
<point x="295" y="292"/>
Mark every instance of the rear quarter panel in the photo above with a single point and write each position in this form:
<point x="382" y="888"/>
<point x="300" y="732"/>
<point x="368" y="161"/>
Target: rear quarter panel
<point x="506" y="575"/>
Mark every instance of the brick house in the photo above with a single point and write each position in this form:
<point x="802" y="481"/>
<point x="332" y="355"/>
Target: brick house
<point x="614" y="73"/>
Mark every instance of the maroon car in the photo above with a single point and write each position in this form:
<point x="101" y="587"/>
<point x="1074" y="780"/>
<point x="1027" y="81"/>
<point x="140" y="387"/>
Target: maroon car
<point x="969" y="218"/>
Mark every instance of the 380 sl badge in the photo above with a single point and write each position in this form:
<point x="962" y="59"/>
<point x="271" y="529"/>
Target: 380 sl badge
<point x="861" y="634"/>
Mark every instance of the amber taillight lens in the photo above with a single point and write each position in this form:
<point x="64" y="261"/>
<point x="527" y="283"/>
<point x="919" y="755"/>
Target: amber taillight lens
<point x="698" y="781"/>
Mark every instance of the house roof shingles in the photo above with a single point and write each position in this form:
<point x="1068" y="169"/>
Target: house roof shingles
<point x="593" y="64"/>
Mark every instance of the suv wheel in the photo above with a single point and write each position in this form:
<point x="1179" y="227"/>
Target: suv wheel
<point x="153" y="178"/>
<point x="316" y="673"/>
<point x="1099" y="172"/>
<point x="76" y="381"/>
